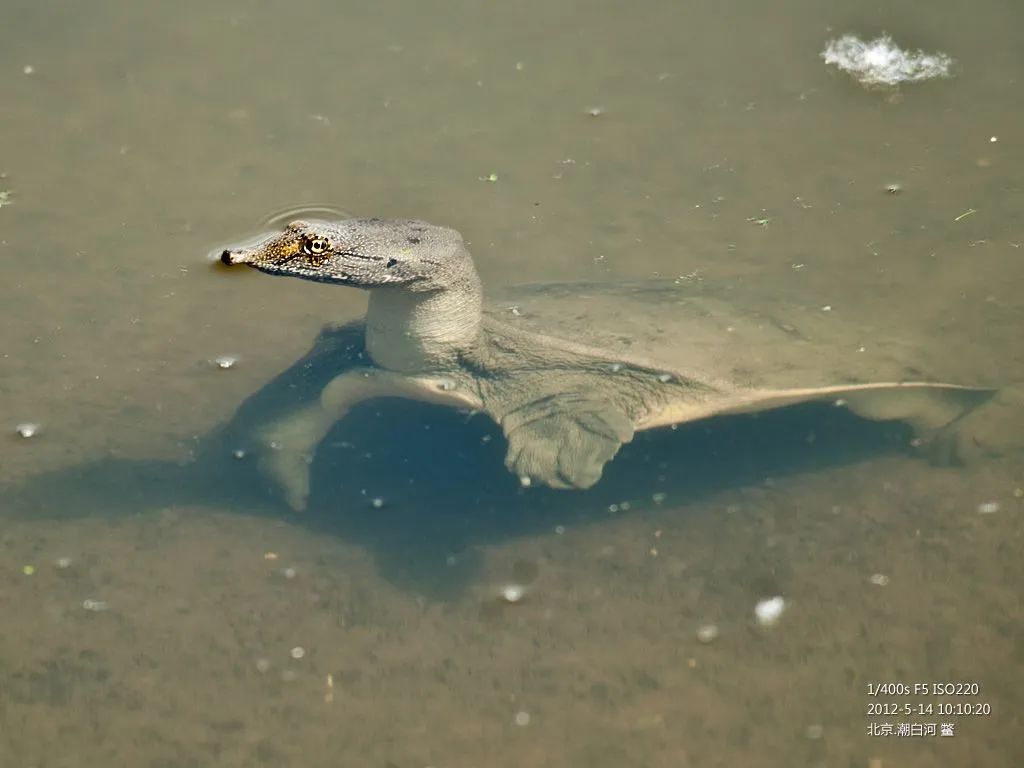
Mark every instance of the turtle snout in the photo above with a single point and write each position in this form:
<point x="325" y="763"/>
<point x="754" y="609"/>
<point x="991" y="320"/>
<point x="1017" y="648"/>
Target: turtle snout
<point x="232" y="256"/>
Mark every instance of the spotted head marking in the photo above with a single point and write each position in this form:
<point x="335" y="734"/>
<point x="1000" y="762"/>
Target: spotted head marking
<point x="366" y="253"/>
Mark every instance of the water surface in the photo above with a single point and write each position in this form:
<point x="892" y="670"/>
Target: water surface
<point x="681" y="140"/>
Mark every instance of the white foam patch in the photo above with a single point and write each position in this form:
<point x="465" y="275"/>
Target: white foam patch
<point x="880" y="62"/>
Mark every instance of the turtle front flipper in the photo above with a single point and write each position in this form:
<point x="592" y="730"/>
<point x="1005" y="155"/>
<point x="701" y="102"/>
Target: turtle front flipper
<point x="564" y="440"/>
<point x="287" y="452"/>
<point x="290" y="442"/>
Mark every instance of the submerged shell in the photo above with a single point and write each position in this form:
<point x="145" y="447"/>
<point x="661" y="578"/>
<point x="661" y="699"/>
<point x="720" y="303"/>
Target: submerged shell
<point x="753" y="348"/>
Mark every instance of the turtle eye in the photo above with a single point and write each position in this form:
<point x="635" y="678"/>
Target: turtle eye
<point x="315" y="246"/>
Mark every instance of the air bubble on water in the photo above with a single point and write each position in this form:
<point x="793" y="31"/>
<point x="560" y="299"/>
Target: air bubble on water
<point x="513" y="593"/>
<point x="27" y="430"/>
<point x="288" y="573"/>
<point x="238" y="453"/>
<point x="62" y="563"/>
<point x="94" y="605"/>
<point x="297" y="652"/>
<point x="658" y="498"/>
<point x="879" y="579"/>
<point x="769" y="611"/>
<point x="988" y="507"/>
<point x="522" y="718"/>
<point x="225" y="361"/>
<point x="615" y="367"/>
<point x="664" y="378"/>
<point x="560" y="529"/>
<point x="263" y="666"/>
<point x="525" y="481"/>
<point x="377" y="502"/>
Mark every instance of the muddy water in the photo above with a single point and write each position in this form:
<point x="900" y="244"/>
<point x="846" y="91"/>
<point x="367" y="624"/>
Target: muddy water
<point x="159" y="615"/>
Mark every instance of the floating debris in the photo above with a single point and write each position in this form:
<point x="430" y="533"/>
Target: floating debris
<point x="28" y="570"/>
<point x="263" y="666"/>
<point x="893" y="188"/>
<point x="297" y="652"/>
<point x="288" y="573"/>
<point x="329" y="688"/>
<point x="596" y="111"/>
<point x="880" y="62"/>
<point x="62" y="563"/>
<point x="238" y="453"/>
<point x="768" y="611"/>
<point x="95" y="605"/>
<point x="707" y="633"/>
<point x="5" y="197"/>
<point x="879" y="579"/>
<point x="560" y="529"/>
<point x="988" y="507"/>
<point x="490" y="177"/>
<point x="27" y="430"/>
<point x="377" y="502"/>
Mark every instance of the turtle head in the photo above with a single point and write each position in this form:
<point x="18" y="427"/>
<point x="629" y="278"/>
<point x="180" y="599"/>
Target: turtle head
<point x="365" y="253"/>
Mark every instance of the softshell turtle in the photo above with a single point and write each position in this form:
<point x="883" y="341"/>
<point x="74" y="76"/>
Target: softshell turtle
<point x="571" y="372"/>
